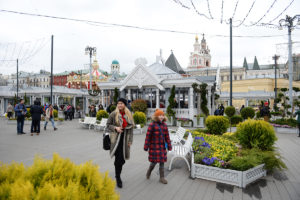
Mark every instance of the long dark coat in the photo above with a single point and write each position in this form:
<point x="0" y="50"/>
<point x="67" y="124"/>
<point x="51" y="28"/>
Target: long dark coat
<point x="155" y="142"/>
<point x="36" y="112"/>
<point x="115" y="136"/>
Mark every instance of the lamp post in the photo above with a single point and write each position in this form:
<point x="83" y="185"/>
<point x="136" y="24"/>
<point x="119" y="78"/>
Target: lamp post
<point x="289" y="23"/>
<point x="92" y="52"/>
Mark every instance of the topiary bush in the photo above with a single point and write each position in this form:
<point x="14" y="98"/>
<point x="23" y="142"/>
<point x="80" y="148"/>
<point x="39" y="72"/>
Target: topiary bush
<point x="229" y="111"/>
<point x="113" y="108"/>
<point x="140" y="118"/>
<point x="248" y="112"/>
<point x="101" y="114"/>
<point x="139" y="105"/>
<point x="217" y="124"/>
<point x="55" y="113"/>
<point x="55" y="179"/>
<point x="256" y="134"/>
<point x="236" y="119"/>
<point x="257" y="115"/>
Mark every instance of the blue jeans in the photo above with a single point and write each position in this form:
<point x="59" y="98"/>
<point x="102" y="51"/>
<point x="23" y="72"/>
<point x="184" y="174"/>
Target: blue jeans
<point x="52" y="121"/>
<point x="20" y="124"/>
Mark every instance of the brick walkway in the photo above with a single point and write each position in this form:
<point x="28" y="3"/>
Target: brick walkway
<point x="81" y="145"/>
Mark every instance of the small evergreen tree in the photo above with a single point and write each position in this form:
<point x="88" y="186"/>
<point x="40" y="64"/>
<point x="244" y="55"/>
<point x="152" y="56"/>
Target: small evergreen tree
<point x="170" y="111"/>
<point x="116" y="95"/>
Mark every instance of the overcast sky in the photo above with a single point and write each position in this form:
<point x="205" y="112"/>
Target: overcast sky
<point x="28" y="37"/>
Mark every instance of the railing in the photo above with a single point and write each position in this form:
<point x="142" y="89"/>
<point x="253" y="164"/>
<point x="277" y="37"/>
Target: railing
<point x="180" y="113"/>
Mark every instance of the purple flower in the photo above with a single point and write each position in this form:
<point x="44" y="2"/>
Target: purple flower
<point x="200" y="138"/>
<point x="209" y="161"/>
<point x="205" y="144"/>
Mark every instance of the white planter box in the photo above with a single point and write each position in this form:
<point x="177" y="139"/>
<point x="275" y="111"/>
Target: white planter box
<point x="228" y="176"/>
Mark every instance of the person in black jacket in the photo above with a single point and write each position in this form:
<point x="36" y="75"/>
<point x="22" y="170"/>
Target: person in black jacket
<point x="36" y="111"/>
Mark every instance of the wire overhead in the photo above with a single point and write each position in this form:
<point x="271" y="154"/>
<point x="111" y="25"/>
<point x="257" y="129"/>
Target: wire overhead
<point x="222" y="11"/>
<point x="237" y="2"/>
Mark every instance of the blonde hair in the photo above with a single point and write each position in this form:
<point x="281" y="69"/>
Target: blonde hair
<point x="127" y="113"/>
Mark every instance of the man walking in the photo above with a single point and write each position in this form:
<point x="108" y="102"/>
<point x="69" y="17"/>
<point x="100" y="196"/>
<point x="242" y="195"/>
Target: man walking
<point x="49" y="116"/>
<point x="21" y="111"/>
<point x="36" y="111"/>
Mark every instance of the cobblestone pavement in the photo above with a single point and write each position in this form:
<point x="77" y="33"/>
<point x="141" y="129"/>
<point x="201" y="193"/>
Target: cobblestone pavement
<point x="81" y="145"/>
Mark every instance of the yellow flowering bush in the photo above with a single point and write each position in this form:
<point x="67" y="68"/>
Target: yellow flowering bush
<point x="55" y="179"/>
<point x="222" y="148"/>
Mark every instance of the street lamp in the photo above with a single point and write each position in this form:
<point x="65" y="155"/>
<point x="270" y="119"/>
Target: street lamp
<point x="92" y="52"/>
<point x="289" y="23"/>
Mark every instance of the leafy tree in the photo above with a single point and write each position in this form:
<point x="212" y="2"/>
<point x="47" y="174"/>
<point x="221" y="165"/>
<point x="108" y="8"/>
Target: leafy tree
<point x="203" y="92"/>
<point x="116" y="95"/>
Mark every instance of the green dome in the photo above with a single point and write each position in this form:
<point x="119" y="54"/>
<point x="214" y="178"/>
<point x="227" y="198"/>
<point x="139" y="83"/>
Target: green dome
<point x="115" y="62"/>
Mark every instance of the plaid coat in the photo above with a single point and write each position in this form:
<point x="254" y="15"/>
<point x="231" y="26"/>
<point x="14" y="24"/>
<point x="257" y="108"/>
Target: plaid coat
<point x="155" y="142"/>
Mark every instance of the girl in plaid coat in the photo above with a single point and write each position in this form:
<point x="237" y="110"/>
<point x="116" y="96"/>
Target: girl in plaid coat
<point x="156" y="142"/>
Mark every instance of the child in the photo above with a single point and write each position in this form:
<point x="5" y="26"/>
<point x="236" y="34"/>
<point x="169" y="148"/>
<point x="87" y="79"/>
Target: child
<point x="156" y="143"/>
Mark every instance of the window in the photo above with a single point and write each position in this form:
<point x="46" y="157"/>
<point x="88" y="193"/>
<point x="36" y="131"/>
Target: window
<point x="207" y="63"/>
<point x="241" y="77"/>
<point x="222" y="78"/>
<point x="195" y="61"/>
<point x="235" y="77"/>
<point x="228" y="78"/>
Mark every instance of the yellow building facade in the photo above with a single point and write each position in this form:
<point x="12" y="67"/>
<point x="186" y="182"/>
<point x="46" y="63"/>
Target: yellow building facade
<point x="251" y="92"/>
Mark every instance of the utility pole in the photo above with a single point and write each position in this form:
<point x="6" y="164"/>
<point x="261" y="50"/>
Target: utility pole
<point x="230" y="102"/>
<point x="51" y="76"/>
<point x="289" y="23"/>
<point x="17" y="80"/>
<point x="275" y="58"/>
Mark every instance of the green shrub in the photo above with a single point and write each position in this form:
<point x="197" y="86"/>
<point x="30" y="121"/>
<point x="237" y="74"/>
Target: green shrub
<point x="256" y="134"/>
<point x="229" y="111"/>
<point x="252" y="157"/>
<point x="139" y="105"/>
<point x="112" y="108"/>
<point x="217" y="124"/>
<point x="55" y="179"/>
<point x="28" y="114"/>
<point x="248" y="112"/>
<point x="257" y="115"/>
<point x="290" y="121"/>
<point x="55" y="113"/>
<point x="236" y="119"/>
<point x="101" y="114"/>
<point x="139" y="118"/>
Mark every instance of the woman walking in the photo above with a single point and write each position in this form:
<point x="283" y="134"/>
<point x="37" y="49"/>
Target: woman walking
<point x="156" y="143"/>
<point x="120" y="124"/>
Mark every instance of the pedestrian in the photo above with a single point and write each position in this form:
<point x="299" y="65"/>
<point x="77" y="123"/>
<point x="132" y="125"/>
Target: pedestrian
<point x="221" y="110"/>
<point x="298" y="121"/>
<point x="36" y="111"/>
<point x="92" y="112"/>
<point x="21" y="111"/>
<point x="217" y="112"/>
<point x="265" y="112"/>
<point x="100" y="107"/>
<point x="120" y="124"/>
<point x="49" y="116"/>
<point x="73" y="111"/>
<point x="9" y="110"/>
<point x="156" y="143"/>
<point x="242" y="108"/>
<point x="55" y="107"/>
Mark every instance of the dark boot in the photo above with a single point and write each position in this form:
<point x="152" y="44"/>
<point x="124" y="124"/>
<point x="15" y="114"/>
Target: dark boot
<point x="162" y="176"/>
<point x="118" y="170"/>
<point x="151" y="167"/>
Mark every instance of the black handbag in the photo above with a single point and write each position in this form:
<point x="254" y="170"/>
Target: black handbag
<point x="106" y="141"/>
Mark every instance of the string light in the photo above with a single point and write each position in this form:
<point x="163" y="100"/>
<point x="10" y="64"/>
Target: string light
<point x="247" y="14"/>
<point x="222" y="12"/>
<point x="264" y="14"/>
<point x="201" y="14"/>
<point x="237" y="2"/>
<point x="270" y="22"/>
<point x="209" y="9"/>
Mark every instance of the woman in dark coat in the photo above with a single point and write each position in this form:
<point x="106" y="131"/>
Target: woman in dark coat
<point x="36" y="111"/>
<point x="120" y="125"/>
<point x="155" y="143"/>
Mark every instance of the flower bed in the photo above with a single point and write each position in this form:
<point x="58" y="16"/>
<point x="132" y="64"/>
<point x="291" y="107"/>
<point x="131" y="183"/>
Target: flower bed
<point x="212" y="160"/>
<point x="228" y="176"/>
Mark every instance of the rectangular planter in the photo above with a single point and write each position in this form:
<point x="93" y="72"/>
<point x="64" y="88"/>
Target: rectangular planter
<point x="228" y="176"/>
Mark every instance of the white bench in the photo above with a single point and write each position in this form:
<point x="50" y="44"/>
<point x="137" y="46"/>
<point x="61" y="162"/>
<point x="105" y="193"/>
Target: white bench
<point x="178" y="136"/>
<point x="86" y="122"/>
<point x="139" y="128"/>
<point x="181" y="151"/>
<point x="93" y="122"/>
<point x="102" y="124"/>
